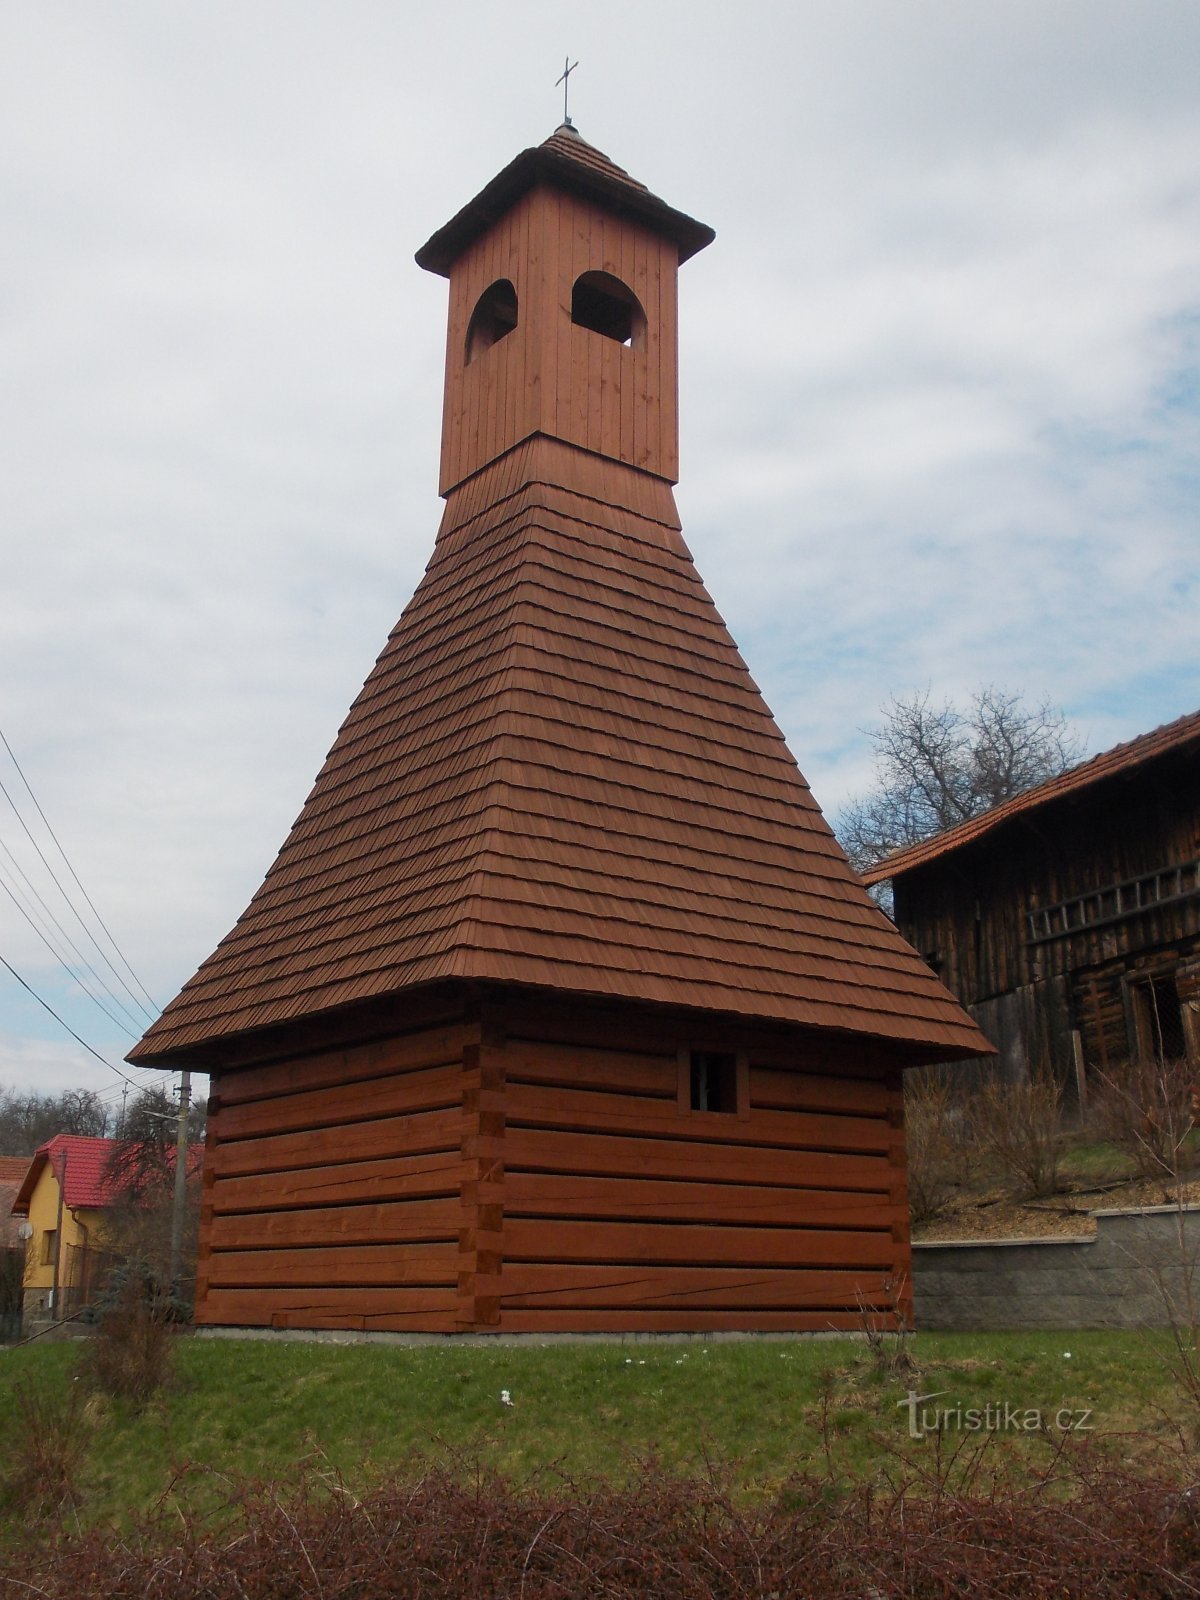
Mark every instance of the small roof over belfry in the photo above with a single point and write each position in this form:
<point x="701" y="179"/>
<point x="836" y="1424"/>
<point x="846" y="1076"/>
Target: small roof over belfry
<point x="560" y="774"/>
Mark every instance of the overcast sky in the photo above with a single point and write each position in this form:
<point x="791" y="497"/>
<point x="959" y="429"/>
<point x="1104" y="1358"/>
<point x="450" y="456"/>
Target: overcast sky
<point x="939" y="374"/>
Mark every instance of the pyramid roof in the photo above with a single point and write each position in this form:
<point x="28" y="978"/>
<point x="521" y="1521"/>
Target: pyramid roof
<point x="567" y="160"/>
<point x="560" y="774"/>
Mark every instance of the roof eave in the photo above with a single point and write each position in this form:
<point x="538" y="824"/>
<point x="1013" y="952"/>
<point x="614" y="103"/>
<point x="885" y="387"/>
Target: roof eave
<point x="539" y="165"/>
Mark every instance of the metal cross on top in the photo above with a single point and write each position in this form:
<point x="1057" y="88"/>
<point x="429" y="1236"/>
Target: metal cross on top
<point x="568" y="68"/>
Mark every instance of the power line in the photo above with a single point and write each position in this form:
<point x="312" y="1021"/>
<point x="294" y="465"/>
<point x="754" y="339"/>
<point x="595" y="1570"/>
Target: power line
<point x="48" y="1007"/>
<point x="74" y="976"/>
<point x="137" y="1026"/>
<point x="66" y="897"/>
<point x="155" y="1008"/>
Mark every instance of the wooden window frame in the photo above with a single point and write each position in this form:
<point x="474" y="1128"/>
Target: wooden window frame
<point x="1138" y="987"/>
<point x="741" y="1060"/>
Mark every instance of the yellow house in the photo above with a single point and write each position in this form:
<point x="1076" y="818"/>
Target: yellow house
<point x="63" y="1198"/>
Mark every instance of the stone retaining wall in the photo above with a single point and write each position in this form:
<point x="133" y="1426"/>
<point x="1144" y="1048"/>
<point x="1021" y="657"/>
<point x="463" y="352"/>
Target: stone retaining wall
<point x="1140" y="1269"/>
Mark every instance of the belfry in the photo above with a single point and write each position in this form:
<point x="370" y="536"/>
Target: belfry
<point x="560" y="1008"/>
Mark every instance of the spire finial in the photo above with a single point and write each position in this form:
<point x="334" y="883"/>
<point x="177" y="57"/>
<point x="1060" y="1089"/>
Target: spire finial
<point x="568" y="68"/>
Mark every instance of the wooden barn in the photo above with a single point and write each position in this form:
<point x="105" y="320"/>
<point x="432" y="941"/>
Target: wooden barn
<point x="1067" y="920"/>
<point x="560" y="1008"/>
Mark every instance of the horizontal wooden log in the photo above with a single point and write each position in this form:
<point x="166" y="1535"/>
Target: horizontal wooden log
<point x="773" y="1089"/>
<point x="421" y="1134"/>
<point x="613" y="1026"/>
<point x="545" y="1194"/>
<point x="344" y="1183"/>
<point x="422" y="1310"/>
<point x="600" y="1154"/>
<point x="834" y="1320"/>
<point x="420" y="1089"/>
<point x="347" y="1266"/>
<point x="688" y="1244"/>
<point x="408" y="1052"/>
<point x="587" y="1067"/>
<point x="391" y="1222"/>
<point x="529" y="1287"/>
<point x="532" y="1105"/>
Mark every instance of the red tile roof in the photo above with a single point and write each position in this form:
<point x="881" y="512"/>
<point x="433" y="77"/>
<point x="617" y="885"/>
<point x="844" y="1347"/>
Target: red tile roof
<point x="85" y="1161"/>
<point x="561" y="774"/>
<point x="567" y="160"/>
<point x="1114" y="763"/>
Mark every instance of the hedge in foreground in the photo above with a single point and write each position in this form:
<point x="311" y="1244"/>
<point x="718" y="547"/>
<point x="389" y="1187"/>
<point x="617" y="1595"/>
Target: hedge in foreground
<point x="1084" y="1528"/>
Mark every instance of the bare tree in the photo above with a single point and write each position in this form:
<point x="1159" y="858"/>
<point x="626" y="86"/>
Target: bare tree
<point x="938" y="765"/>
<point x="28" y="1120"/>
<point x="142" y="1161"/>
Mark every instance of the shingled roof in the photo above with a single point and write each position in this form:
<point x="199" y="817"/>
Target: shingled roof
<point x="85" y="1162"/>
<point x="1110" y="764"/>
<point x="561" y="774"/>
<point x="564" y="158"/>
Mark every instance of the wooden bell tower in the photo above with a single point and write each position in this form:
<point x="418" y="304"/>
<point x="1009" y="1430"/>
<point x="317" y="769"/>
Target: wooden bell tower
<point x="563" y="313"/>
<point x="560" y="1008"/>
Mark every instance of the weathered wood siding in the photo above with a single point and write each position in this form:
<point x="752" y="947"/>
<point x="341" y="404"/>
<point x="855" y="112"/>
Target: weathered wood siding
<point x="333" y="1188"/>
<point x="969" y="913"/>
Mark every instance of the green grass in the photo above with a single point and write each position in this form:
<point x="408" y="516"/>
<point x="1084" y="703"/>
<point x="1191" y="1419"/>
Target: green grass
<point x="761" y="1411"/>
<point x="1098" y="1162"/>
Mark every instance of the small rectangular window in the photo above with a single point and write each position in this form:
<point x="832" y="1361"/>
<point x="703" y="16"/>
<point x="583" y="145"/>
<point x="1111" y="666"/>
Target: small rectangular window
<point x="714" y="1078"/>
<point x="49" y="1244"/>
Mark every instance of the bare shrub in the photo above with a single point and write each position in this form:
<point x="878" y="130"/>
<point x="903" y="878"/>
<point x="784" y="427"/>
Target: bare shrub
<point x="130" y="1355"/>
<point x="1088" y="1524"/>
<point x="46" y="1443"/>
<point x="888" y="1329"/>
<point x="1017" y="1129"/>
<point x="1147" y="1109"/>
<point x="936" y="1143"/>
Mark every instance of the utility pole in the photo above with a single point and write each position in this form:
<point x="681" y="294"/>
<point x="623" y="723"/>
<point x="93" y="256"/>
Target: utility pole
<point x="181" y="1150"/>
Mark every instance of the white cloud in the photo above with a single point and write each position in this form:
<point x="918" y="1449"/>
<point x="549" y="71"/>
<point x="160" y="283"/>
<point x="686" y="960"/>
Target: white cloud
<point x="939" y="378"/>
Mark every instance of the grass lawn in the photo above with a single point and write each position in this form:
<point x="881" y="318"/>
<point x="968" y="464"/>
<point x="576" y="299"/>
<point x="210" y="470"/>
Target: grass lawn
<point x="759" y="1411"/>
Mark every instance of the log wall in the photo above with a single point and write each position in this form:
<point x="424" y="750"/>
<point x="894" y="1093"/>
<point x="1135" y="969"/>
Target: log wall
<point x="625" y="1210"/>
<point x="542" y="1171"/>
<point x="333" y="1188"/>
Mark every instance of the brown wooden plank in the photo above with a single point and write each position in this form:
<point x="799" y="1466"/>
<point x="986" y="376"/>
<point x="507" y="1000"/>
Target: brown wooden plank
<point x="577" y="1110"/>
<point x="647" y="1199"/>
<point x="585" y="1066"/>
<point x="344" y="1183"/>
<point x="327" y="1308"/>
<point x="558" y="1150"/>
<point x="533" y="1287"/>
<point x="419" y="1089"/>
<point x="420" y="1134"/>
<point x="392" y="1221"/>
<point x="687" y="1244"/>
<point x="433" y="1048"/>
<point x="777" y="1090"/>
<point x="346" y="1266"/>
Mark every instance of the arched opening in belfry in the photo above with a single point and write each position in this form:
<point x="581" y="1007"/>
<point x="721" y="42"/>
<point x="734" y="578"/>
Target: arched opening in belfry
<point x="493" y="319"/>
<point x="606" y="305"/>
